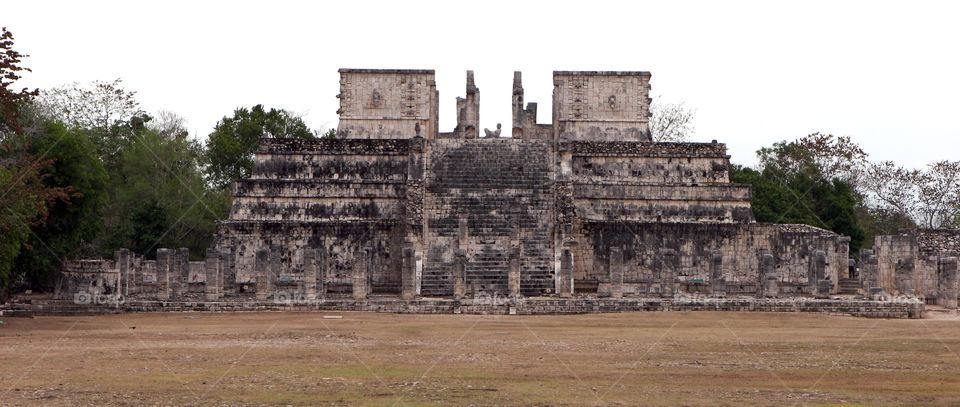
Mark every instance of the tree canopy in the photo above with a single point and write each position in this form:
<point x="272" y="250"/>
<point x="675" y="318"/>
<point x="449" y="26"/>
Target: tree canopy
<point x="229" y="149"/>
<point x="795" y="183"/>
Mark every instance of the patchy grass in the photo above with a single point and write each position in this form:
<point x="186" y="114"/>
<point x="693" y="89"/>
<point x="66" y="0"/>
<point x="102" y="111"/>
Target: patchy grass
<point x="694" y="358"/>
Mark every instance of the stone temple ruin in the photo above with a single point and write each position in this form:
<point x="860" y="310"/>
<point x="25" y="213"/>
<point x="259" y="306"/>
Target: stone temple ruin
<point x="581" y="215"/>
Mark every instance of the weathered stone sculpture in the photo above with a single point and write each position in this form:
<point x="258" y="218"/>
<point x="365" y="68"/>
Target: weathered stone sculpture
<point x="495" y="133"/>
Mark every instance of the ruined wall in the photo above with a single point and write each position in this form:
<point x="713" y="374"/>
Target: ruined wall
<point x="387" y="103"/>
<point x="468" y="111"/>
<point x="345" y="197"/>
<point x="911" y="262"/>
<point x="585" y="204"/>
<point x="654" y="182"/>
<point x="525" y="119"/>
<point x="601" y="106"/>
<point x="85" y="280"/>
<point x="500" y="189"/>
<point x="654" y="254"/>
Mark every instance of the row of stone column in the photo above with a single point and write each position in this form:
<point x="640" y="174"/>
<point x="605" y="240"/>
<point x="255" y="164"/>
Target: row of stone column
<point x="312" y="283"/>
<point x="769" y="279"/>
<point x="904" y="277"/>
<point x="172" y="270"/>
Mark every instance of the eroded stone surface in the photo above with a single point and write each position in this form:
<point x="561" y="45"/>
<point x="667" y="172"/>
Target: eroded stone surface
<point x="582" y="208"/>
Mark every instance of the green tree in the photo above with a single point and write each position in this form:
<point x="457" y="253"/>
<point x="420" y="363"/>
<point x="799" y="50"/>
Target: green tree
<point x="229" y="152"/>
<point x="160" y="197"/>
<point x="24" y="202"/>
<point x="11" y="101"/>
<point x="148" y="226"/>
<point x="792" y="186"/>
<point x="72" y="224"/>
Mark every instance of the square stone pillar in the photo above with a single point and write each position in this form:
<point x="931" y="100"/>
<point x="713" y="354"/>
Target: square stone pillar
<point x="824" y="287"/>
<point x="164" y="263"/>
<point x="566" y="272"/>
<point x="459" y="273"/>
<point x="769" y="280"/>
<point x="718" y="284"/>
<point x="668" y="272"/>
<point x="322" y="262"/>
<point x="265" y="276"/>
<point x="361" y="286"/>
<point x="903" y="275"/>
<point x="616" y="272"/>
<point x="309" y="274"/>
<point x="870" y="274"/>
<point x="513" y="274"/>
<point x="816" y="271"/>
<point x="179" y="273"/>
<point x="124" y="261"/>
<point x="947" y="282"/>
<point x="212" y="275"/>
<point x="771" y="285"/>
<point x="228" y="275"/>
<point x="408" y="274"/>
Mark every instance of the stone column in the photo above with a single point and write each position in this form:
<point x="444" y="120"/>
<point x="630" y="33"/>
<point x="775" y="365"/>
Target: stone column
<point x="181" y="269"/>
<point x="513" y="274"/>
<point x="459" y="273"/>
<point x="668" y="272"/>
<point x="718" y="285"/>
<point x="816" y="274"/>
<point x="125" y="267"/>
<point x="310" y="274"/>
<point x="164" y="260"/>
<point x="323" y="261"/>
<point x="824" y="285"/>
<point x="265" y="275"/>
<point x="616" y="272"/>
<point x="211" y="269"/>
<point x="769" y="280"/>
<point x="870" y="274"/>
<point x="228" y="276"/>
<point x="408" y="274"/>
<point x="947" y="282"/>
<point x="566" y="272"/>
<point x="360" y="277"/>
<point x="903" y="275"/>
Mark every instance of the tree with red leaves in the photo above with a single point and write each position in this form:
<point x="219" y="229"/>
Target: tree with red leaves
<point x="11" y="101"/>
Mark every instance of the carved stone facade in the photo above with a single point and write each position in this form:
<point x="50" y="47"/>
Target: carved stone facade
<point x="584" y="207"/>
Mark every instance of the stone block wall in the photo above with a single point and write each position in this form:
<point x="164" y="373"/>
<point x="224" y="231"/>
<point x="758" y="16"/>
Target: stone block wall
<point x="387" y="104"/>
<point x="584" y="205"/>
<point x="912" y="263"/>
<point x="484" y="197"/>
<point x="345" y="197"/>
<point x="601" y="106"/>
<point x="85" y="280"/>
<point x="654" y="182"/>
<point x="659" y="254"/>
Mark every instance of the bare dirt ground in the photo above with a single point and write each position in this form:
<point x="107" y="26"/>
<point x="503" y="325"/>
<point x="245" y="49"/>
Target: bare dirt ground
<point x="670" y="358"/>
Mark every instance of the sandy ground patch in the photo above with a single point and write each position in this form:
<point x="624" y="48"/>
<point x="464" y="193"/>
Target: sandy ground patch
<point x="671" y="358"/>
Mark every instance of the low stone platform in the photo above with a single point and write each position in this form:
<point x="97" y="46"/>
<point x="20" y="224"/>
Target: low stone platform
<point x="488" y="305"/>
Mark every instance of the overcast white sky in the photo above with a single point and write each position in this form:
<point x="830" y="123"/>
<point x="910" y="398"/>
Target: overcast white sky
<point x="886" y="74"/>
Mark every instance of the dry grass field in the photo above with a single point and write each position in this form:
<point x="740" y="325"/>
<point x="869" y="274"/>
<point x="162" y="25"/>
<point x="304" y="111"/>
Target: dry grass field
<point x="672" y="358"/>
